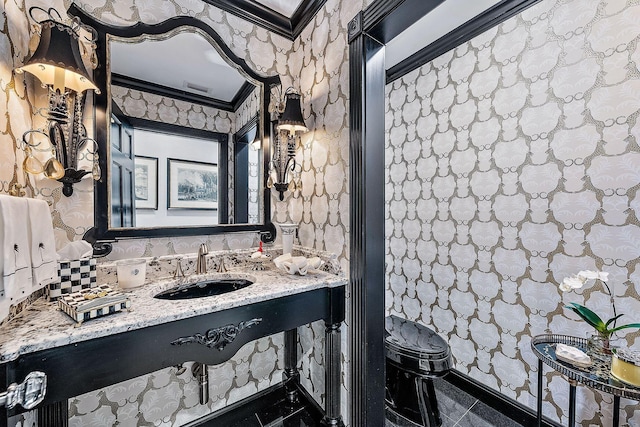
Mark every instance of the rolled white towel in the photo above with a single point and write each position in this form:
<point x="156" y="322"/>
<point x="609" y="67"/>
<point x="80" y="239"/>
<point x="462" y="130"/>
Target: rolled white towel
<point x="301" y="264"/>
<point x="279" y="261"/>
<point x="315" y="262"/>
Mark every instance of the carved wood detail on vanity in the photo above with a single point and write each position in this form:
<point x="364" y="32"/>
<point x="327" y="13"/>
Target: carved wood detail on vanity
<point x="218" y="337"/>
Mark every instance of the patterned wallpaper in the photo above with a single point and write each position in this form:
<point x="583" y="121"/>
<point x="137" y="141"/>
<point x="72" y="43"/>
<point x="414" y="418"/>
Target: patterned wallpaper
<point x="18" y="102"/>
<point x="169" y="397"/>
<point x="316" y="63"/>
<point x="245" y="112"/>
<point x="320" y="63"/>
<point x="513" y="162"/>
<point x="248" y="109"/>
<point x="135" y="103"/>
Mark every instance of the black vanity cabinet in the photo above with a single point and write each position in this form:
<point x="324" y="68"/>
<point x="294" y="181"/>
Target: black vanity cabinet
<point x="212" y="338"/>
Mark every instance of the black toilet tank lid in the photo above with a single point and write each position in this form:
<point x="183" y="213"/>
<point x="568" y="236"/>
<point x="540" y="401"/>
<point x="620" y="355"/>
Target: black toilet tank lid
<point x="413" y="339"/>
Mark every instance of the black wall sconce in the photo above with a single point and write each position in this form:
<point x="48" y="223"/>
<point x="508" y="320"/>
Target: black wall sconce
<point x="284" y="171"/>
<point x="58" y="63"/>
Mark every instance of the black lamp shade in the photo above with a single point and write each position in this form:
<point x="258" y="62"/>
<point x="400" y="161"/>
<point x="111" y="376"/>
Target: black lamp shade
<point x="291" y="118"/>
<point x="58" y="51"/>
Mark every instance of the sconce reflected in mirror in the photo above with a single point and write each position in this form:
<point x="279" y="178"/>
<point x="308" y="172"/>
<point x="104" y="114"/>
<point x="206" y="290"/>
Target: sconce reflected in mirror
<point x="284" y="171"/>
<point x="58" y="63"/>
<point x="256" y="144"/>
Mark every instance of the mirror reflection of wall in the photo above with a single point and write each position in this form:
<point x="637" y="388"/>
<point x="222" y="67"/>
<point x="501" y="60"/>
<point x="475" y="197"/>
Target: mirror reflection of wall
<point x="184" y="186"/>
<point x="247" y="194"/>
<point x="179" y="80"/>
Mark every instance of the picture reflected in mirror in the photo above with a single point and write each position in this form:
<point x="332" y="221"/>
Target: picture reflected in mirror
<point x="192" y="185"/>
<point x="146" y="182"/>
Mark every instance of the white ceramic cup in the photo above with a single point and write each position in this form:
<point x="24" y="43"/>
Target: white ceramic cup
<point x="131" y="272"/>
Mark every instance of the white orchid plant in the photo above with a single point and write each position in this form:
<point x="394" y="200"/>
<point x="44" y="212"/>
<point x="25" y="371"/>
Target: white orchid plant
<point x="605" y="329"/>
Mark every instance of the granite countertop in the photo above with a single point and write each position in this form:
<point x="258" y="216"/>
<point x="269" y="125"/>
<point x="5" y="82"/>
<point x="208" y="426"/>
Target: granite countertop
<point x="42" y="325"/>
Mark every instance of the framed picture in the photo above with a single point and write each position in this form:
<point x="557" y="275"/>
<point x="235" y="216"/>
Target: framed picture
<point x="192" y="185"/>
<point x="146" y="182"/>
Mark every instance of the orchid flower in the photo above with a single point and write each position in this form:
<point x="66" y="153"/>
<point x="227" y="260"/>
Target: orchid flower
<point x="577" y="282"/>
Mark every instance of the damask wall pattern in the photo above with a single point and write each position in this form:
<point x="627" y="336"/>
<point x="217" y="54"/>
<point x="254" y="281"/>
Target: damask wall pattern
<point x="149" y="106"/>
<point x="18" y="103"/>
<point x="512" y="163"/>
<point x="248" y="109"/>
<point x="319" y="62"/>
<point x="245" y="112"/>
<point x="169" y="397"/>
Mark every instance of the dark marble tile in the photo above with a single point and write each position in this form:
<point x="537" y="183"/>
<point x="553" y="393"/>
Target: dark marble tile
<point x="452" y="402"/>
<point x="393" y="419"/>
<point x="302" y="418"/>
<point x="277" y="411"/>
<point x="457" y="409"/>
<point x="448" y="422"/>
<point x="268" y="410"/>
<point x="481" y="415"/>
<point x="249" y="421"/>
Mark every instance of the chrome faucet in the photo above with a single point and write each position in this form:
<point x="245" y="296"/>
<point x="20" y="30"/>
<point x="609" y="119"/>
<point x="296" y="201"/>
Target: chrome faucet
<point x="201" y="264"/>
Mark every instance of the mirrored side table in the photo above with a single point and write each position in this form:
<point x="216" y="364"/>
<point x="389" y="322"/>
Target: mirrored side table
<point x="596" y="376"/>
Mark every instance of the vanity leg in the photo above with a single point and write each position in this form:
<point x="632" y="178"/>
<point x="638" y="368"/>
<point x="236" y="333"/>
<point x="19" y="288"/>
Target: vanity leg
<point x="332" y="357"/>
<point x="54" y="415"/>
<point x="291" y="374"/>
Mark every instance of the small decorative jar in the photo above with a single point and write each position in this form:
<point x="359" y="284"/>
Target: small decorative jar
<point x="598" y="344"/>
<point x="600" y="347"/>
<point x="625" y="366"/>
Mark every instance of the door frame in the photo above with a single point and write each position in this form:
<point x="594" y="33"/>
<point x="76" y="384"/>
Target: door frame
<point x="368" y="32"/>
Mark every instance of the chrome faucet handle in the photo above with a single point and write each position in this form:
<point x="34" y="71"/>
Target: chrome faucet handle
<point x="221" y="268"/>
<point x="179" y="273"/>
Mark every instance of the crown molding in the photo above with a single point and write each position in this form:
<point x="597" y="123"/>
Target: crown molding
<point x="269" y="19"/>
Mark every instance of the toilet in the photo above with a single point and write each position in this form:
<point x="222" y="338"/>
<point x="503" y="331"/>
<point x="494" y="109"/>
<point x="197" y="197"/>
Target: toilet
<point x="414" y="355"/>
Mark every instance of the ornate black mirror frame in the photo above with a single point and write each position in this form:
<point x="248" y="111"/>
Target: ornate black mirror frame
<point x="102" y="233"/>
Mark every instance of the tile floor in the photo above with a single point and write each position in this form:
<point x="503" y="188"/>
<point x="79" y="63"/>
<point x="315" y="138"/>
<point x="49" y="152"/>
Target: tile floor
<point x="270" y="410"/>
<point x="457" y="409"/>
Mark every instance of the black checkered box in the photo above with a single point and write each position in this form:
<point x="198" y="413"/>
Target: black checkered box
<point x="74" y="276"/>
<point x="94" y="302"/>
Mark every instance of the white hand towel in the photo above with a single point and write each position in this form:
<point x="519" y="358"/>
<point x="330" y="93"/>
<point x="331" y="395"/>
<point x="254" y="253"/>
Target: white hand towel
<point x="15" y="258"/>
<point x="43" y="244"/>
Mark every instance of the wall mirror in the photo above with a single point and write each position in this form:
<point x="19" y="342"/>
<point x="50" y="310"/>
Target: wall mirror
<point x="175" y="135"/>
